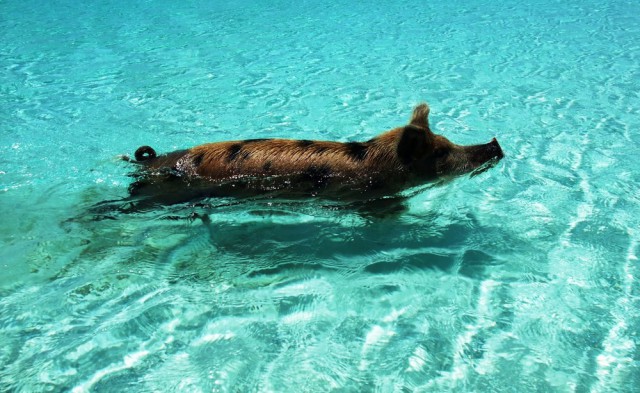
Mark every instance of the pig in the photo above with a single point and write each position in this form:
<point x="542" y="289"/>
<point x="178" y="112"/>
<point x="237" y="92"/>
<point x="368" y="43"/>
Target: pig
<point x="396" y="160"/>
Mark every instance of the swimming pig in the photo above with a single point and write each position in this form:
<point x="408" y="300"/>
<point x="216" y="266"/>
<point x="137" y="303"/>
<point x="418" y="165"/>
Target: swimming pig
<point x="403" y="157"/>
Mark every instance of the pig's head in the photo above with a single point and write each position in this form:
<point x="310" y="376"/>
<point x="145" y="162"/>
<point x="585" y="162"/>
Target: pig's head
<point x="430" y="156"/>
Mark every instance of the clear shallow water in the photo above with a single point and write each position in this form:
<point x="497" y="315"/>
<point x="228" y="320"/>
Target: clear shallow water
<point x="524" y="278"/>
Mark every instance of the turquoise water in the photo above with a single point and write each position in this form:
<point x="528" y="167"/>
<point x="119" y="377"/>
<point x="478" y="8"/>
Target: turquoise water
<point x="521" y="279"/>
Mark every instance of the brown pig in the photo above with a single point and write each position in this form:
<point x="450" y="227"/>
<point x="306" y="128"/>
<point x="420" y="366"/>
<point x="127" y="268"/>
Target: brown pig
<point x="395" y="160"/>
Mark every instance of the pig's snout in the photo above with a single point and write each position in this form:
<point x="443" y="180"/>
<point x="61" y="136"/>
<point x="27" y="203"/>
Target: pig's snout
<point x="494" y="149"/>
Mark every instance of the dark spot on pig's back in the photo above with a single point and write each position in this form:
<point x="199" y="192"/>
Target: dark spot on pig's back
<point x="233" y="151"/>
<point x="314" y="147"/>
<point x="357" y="150"/>
<point x="237" y="151"/>
<point x="305" y="143"/>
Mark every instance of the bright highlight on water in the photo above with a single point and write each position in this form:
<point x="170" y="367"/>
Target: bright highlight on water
<point x="521" y="278"/>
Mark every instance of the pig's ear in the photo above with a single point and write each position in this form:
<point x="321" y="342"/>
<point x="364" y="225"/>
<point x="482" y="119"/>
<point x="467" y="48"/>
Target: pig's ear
<point x="420" y="117"/>
<point x="414" y="144"/>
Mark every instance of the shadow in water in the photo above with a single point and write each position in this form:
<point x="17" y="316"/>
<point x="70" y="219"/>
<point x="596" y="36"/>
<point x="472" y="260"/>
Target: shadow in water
<point x="305" y="238"/>
<point x="257" y="239"/>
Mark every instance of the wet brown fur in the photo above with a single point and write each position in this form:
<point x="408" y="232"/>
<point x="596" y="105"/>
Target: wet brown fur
<point x="399" y="158"/>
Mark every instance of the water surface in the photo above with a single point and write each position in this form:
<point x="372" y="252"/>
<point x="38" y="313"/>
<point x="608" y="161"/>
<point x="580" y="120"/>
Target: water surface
<point x="524" y="278"/>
